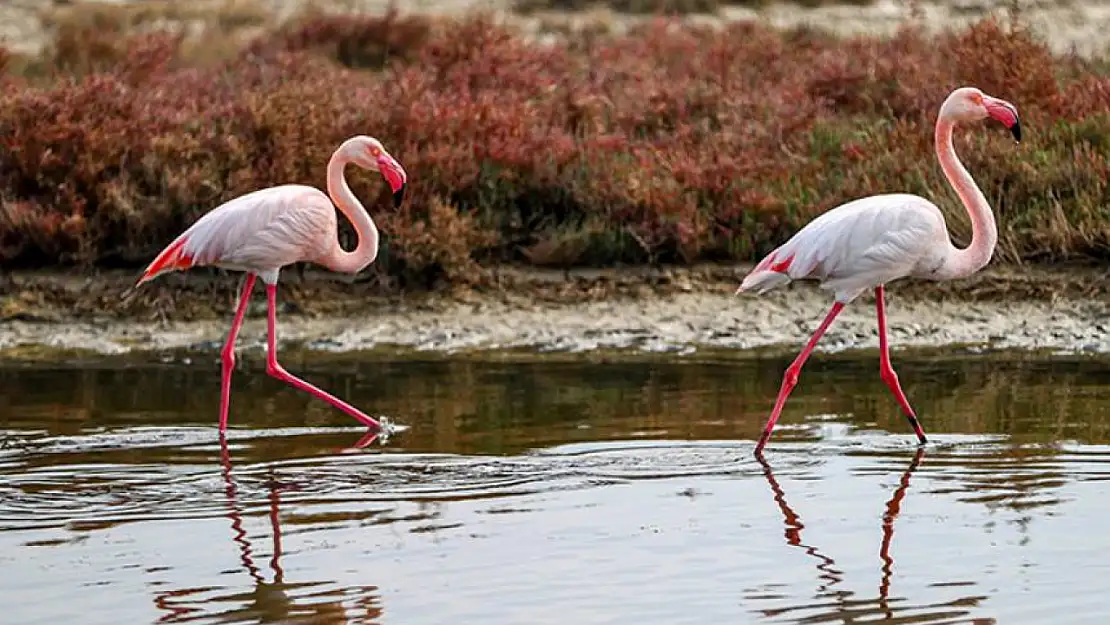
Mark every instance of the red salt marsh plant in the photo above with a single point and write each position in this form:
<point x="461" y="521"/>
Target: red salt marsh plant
<point x="670" y="143"/>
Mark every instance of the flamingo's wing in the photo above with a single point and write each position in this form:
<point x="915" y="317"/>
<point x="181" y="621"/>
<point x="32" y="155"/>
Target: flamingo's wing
<point x="262" y="230"/>
<point x="867" y="241"/>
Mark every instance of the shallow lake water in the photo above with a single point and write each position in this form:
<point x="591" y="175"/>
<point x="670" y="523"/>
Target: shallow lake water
<point x="525" y="491"/>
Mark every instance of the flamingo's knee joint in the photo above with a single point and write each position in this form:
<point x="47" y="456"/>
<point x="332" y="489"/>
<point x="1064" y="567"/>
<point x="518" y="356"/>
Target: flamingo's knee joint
<point x="889" y="376"/>
<point x="790" y="378"/>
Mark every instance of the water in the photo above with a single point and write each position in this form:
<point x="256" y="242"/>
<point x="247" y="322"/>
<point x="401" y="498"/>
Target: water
<point x="557" y="492"/>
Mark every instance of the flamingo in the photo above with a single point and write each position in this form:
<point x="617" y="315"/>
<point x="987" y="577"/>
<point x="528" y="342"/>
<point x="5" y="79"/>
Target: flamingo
<point x="865" y="243"/>
<point x="265" y="230"/>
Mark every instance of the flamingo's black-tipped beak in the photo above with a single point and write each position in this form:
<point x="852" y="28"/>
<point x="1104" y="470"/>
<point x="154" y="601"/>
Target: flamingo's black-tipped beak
<point x="1004" y="112"/>
<point x="395" y="175"/>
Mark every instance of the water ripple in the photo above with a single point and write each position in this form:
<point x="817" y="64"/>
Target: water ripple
<point x="85" y="495"/>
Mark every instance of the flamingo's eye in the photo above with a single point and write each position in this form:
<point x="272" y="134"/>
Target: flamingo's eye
<point x="375" y="152"/>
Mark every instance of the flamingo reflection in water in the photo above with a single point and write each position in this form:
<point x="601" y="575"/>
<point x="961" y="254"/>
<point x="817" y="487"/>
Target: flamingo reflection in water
<point x="269" y="602"/>
<point x="845" y="607"/>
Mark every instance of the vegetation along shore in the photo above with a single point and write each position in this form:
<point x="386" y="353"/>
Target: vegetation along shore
<point x="662" y="148"/>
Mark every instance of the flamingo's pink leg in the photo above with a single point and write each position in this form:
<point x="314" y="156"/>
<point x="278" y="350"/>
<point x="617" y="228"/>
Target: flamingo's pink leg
<point x="790" y="378"/>
<point x="228" y="353"/>
<point x="887" y="371"/>
<point x="276" y="370"/>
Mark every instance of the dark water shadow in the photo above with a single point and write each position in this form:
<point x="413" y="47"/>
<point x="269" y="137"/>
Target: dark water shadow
<point x="269" y="601"/>
<point x="844" y="606"/>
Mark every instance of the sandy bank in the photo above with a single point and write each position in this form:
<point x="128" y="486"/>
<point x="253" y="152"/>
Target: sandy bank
<point x="1066" y="26"/>
<point x="652" y="310"/>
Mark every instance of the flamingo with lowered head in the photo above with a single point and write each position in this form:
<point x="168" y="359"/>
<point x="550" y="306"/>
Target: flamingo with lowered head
<point x="865" y="243"/>
<point x="265" y="230"/>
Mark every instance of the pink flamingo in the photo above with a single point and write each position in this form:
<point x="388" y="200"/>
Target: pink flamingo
<point x="265" y="230"/>
<point x="868" y="242"/>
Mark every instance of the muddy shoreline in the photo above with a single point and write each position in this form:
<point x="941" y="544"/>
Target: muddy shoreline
<point x="53" y="315"/>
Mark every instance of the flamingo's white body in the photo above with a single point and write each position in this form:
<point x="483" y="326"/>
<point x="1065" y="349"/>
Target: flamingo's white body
<point x="866" y="243"/>
<point x="859" y="245"/>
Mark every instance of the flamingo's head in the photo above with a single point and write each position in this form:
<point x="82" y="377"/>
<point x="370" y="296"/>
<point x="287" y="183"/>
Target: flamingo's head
<point x="970" y="104"/>
<point x="368" y="153"/>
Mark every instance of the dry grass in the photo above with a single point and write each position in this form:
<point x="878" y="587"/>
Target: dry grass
<point x="668" y="144"/>
<point x="674" y="7"/>
<point x="667" y="7"/>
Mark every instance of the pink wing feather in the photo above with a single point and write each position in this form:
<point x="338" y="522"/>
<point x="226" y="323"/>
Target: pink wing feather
<point x="260" y="231"/>
<point x="858" y="245"/>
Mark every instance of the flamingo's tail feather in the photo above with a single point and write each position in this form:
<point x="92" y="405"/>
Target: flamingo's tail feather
<point x="763" y="281"/>
<point x="768" y="274"/>
<point x="173" y="258"/>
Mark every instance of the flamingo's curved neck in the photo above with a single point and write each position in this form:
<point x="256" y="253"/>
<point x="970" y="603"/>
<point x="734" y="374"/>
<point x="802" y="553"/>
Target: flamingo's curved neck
<point x="367" y="249"/>
<point x="984" y="231"/>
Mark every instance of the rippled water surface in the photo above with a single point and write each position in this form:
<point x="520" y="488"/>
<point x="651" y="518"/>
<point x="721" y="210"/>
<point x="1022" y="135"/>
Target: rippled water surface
<point x="557" y="492"/>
